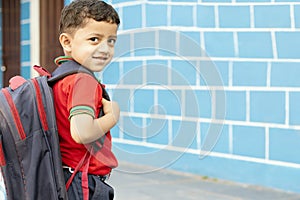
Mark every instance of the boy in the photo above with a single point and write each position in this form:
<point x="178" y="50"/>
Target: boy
<point x="88" y="32"/>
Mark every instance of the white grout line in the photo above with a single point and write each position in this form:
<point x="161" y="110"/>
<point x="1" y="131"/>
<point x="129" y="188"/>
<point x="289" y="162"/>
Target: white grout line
<point x="211" y="120"/>
<point x="274" y="45"/>
<point x="267" y="143"/>
<point x="248" y="106"/>
<point x="269" y="71"/>
<point x="252" y="20"/>
<point x="210" y="154"/>
<point x="236" y="44"/>
<point x="287" y="108"/>
<point x="170" y="132"/>
<point x="230" y="138"/>
<point x="206" y="58"/>
<point x="292" y="14"/>
<point x="217" y="23"/>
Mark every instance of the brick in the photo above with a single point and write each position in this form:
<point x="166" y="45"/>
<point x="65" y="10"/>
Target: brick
<point x="288" y="44"/>
<point x="25" y="32"/>
<point x="222" y="69"/>
<point x="183" y="1"/>
<point x="289" y="1"/>
<point x="272" y="16"/>
<point x="143" y="100"/>
<point x="251" y="1"/>
<point x="25" y="56"/>
<point x="192" y="103"/>
<point x="205" y="16"/>
<point x="132" y="72"/>
<point x="297" y="15"/>
<point x="249" y="141"/>
<point x="122" y="96"/>
<point x="219" y="44"/>
<point x="184" y="134"/>
<point x="133" y="17"/>
<point x="170" y="101"/>
<point x="156" y="15"/>
<point x="266" y="106"/>
<point x="167" y="43"/>
<point x="115" y="131"/>
<point x="189" y="44"/>
<point x="217" y="1"/>
<point x="123" y="47"/>
<point x="214" y="73"/>
<point x="285" y="74"/>
<point x="176" y="15"/>
<point x="183" y="72"/>
<point x="133" y="128"/>
<point x="204" y="104"/>
<point x="144" y="47"/>
<point x="25" y="10"/>
<point x="284" y="145"/>
<point x="220" y="104"/>
<point x="255" y="45"/>
<point x="236" y="105"/>
<point x="26" y="71"/>
<point x="157" y="131"/>
<point x="294" y="108"/>
<point x="234" y="16"/>
<point x="220" y="139"/>
<point x="154" y="78"/>
<point x="111" y="73"/>
<point x="249" y="74"/>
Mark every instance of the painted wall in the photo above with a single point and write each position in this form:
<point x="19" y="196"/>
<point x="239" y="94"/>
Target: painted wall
<point x="210" y="87"/>
<point x="25" y="39"/>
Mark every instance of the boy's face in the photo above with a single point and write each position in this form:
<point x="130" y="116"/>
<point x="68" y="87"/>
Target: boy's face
<point x="93" y="45"/>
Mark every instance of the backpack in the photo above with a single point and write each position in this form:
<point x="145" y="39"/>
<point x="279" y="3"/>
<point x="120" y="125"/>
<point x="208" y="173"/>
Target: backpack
<point x="29" y="148"/>
<point x="30" y="157"/>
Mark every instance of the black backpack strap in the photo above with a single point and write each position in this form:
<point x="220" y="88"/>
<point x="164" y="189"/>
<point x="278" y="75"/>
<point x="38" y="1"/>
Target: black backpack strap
<point x="66" y="69"/>
<point x="69" y="68"/>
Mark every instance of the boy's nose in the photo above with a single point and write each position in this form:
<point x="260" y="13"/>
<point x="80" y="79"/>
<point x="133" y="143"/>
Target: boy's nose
<point x="103" y="47"/>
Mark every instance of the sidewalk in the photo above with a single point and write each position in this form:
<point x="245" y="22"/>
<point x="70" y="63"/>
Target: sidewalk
<point x="167" y="184"/>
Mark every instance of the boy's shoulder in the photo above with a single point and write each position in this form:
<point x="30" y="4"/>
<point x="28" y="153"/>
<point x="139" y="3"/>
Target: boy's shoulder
<point x="69" y="68"/>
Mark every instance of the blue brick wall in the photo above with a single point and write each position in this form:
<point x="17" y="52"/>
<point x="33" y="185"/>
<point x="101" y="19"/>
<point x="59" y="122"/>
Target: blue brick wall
<point x="205" y="87"/>
<point x="25" y="39"/>
<point x="234" y="16"/>
<point x="210" y="87"/>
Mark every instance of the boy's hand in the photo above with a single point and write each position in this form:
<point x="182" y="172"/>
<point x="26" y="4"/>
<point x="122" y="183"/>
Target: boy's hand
<point x="111" y="108"/>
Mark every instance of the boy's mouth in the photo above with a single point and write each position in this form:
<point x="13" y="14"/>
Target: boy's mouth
<point x="101" y="58"/>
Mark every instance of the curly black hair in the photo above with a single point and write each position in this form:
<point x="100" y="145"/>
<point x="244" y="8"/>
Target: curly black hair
<point x="74" y="15"/>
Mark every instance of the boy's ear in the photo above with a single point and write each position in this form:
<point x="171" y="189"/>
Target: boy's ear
<point x="65" y="41"/>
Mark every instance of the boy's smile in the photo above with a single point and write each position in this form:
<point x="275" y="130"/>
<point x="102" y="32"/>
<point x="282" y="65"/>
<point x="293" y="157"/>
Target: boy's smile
<point x="92" y="45"/>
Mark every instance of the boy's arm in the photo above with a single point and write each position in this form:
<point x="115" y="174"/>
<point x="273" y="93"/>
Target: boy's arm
<point x="85" y="129"/>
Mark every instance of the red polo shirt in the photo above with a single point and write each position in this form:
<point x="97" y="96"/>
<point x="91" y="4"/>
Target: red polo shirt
<point x="80" y="89"/>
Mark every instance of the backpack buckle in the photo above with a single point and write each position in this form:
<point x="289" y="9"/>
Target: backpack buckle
<point x="68" y="168"/>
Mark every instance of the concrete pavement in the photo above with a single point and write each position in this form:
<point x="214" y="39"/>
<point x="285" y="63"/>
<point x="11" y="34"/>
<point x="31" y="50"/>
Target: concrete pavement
<point x="167" y="184"/>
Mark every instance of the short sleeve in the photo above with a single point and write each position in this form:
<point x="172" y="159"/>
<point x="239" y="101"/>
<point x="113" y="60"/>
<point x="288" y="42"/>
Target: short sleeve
<point x="84" y="91"/>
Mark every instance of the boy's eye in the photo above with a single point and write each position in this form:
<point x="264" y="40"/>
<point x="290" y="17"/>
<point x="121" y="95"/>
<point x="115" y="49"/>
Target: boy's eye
<point x="112" y="42"/>
<point x="94" y="39"/>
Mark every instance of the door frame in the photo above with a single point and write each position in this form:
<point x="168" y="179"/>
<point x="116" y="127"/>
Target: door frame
<point x="50" y="47"/>
<point x="11" y="39"/>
